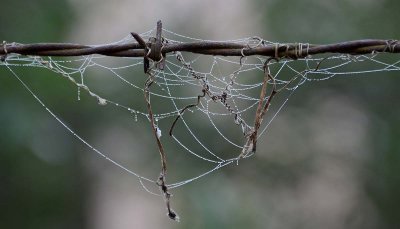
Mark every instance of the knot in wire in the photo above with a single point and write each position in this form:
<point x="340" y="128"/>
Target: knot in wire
<point x="277" y="54"/>
<point x="260" y="42"/>
<point x="299" y="50"/>
<point x="293" y="51"/>
<point x="153" y="49"/>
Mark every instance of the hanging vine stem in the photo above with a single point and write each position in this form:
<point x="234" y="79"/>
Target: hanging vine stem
<point x="184" y="109"/>
<point x="154" y="54"/>
<point x="250" y="146"/>
<point x="162" y="178"/>
<point x="251" y="142"/>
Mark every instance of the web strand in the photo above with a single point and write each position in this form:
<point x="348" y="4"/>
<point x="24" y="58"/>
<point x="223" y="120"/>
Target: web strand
<point x="75" y="134"/>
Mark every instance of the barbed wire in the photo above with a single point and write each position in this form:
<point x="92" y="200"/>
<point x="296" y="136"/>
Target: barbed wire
<point x="142" y="48"/>
<point x="355" y="47"/>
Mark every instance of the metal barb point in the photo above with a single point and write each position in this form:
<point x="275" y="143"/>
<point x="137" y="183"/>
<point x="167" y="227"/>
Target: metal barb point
<point x="156" y="46"/>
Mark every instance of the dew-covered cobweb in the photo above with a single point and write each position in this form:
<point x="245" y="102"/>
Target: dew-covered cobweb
<point x="204" y="106"/>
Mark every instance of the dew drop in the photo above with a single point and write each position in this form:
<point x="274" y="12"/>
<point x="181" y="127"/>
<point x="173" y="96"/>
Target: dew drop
<point x="101" y="101"/>
<point x="79" y="93"/>
<point x="158" y="132"/>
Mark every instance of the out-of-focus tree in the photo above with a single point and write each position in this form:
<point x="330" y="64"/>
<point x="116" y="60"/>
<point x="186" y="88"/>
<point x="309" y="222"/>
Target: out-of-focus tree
<point x="36" y="190"/>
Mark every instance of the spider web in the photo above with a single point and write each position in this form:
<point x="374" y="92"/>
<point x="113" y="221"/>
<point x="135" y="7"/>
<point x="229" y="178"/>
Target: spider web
<point x="204" y="106"/>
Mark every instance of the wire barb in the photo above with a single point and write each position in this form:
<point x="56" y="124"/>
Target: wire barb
<point x="142" y="43"/>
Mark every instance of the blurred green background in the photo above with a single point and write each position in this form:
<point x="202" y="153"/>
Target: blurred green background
<point x="331" y="159"/>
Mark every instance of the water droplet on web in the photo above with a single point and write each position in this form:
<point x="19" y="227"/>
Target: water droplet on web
<point x="134" y="113"/>
<point x="101" y="101"/>
<point x="158" y="132"/>
<point x="237" y="119"/>
<point x="79" y="93"/>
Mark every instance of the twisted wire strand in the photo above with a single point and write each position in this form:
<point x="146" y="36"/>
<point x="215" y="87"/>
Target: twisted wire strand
<point x="284" y="50"/>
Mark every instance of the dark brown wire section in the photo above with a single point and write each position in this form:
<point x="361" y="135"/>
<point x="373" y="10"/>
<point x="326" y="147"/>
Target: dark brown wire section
<point x="278" y="50"/>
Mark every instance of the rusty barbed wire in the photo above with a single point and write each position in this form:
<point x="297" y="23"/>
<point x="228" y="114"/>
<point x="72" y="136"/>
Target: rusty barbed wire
<point x="278" y="50"/>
